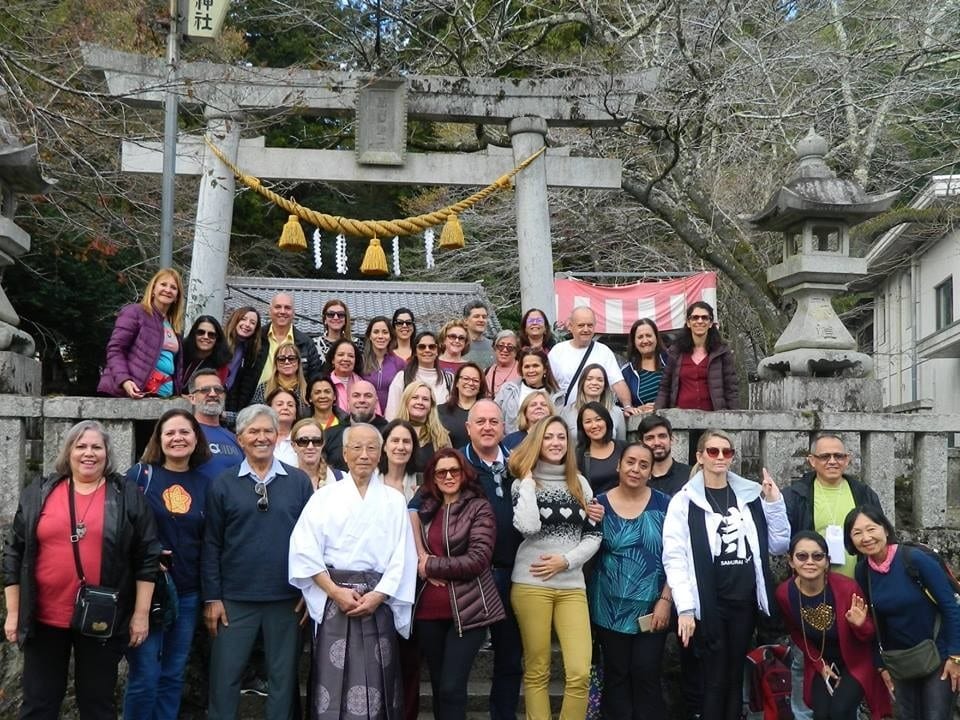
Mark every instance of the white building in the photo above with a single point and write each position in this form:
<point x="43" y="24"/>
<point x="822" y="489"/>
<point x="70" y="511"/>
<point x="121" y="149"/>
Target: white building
<point x="916" y="314"/>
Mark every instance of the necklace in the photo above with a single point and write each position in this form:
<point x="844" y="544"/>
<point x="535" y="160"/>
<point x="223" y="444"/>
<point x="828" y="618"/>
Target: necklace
<point x="81" y="529"/>
<point x="820" y="618"/>
<point x="715" y="505"/>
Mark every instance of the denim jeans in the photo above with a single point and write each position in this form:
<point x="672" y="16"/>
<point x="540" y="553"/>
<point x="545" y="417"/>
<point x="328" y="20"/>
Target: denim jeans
<point x="799" y="708"/>
<point x="927" y="698"/>
<point x="155" y="682"/>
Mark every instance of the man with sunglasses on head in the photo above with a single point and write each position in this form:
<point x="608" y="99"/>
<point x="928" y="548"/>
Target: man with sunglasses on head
<point x="251" y="511"/>
<point x="208" y="396"/>
<point x="819" y="501"/>
<point x="279" y="330"/>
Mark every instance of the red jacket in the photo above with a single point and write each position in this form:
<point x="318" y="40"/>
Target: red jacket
<point x="469" y="534"/>
<point x="856" y="644"/>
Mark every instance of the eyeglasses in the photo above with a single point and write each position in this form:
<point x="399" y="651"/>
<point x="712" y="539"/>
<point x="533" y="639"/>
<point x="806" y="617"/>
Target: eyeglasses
<point x="700" y="318"/>
<point x="206" y="333"/>
<point x="314" y="440"/>
<point x="426" y="346"/>
<point x="506" y="348"/>
<point x="452" y="473"/>
<point x="715" y="452"/>
<point x="535" y="321"/>
<point x="470" y="381"/>
<point x="287" y="359"/>
<point x="403" y="323"/>
<point x="335" y="314"/>
<point x="212" y="390"/>
<point x="458" y="338"/>
<point x="804" y="556"/>
<point x="263" y="502"/>
<point x="835" y="456"/>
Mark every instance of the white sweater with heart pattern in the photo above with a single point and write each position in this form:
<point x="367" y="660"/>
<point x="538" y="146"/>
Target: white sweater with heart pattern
<point x="552" y="522"/>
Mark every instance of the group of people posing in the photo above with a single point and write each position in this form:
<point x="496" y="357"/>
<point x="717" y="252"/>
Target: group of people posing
<point x="415" y="493"/>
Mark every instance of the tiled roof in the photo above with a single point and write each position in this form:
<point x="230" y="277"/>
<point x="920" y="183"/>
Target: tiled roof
<point x="432" y="303"/>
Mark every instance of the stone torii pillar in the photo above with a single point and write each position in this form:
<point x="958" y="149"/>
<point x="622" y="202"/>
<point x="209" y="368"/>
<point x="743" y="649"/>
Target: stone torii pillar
<point x="534" y="248"/>
<point x="211" y="235"/>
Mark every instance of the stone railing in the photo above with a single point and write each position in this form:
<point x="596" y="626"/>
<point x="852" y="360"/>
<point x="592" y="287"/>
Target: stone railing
<point x="32" y="430"/>
<point x="904" y="457"/>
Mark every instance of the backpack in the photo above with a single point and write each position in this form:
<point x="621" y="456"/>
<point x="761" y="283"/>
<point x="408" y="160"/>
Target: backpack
<point x="768" y="683"/>
<point x="911" y="546"/>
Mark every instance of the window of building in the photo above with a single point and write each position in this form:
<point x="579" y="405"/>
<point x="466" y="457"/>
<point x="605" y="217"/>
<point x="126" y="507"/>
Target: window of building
<point x="944" y="299"/>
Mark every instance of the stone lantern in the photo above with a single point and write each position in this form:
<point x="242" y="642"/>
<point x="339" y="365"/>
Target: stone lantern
<point x="815" y="210"/>
<point x="19" y="174"/>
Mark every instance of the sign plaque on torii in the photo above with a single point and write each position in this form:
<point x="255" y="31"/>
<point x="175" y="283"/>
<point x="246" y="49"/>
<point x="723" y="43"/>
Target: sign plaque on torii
<point x="227" y="93"/>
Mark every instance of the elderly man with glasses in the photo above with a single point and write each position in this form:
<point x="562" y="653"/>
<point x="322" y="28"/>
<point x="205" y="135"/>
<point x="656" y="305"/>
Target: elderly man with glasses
<point x="352" y="555"/>
<point x="251" y="511"/>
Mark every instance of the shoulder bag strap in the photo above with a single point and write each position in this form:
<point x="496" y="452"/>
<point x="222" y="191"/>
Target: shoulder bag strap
<point x="74" y="538"/>
<point x="573" y="380"/>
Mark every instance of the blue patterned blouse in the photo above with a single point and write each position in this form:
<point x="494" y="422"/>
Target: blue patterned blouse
<point x="628" y="576"/>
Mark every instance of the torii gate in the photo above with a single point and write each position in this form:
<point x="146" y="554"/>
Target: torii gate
<point x="226" y="93"/>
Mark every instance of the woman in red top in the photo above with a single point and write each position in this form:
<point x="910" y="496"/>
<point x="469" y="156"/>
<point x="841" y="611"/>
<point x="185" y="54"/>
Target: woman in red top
<point x="700" y="373"/>
<point x="115" y="535"/>
<point x="459" y="599"/>
<point x="830" y="624"/>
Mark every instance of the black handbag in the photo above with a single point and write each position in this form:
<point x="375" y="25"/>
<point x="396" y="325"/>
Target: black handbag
<point x="95" y="609"/>
<point x="910" y="663"/>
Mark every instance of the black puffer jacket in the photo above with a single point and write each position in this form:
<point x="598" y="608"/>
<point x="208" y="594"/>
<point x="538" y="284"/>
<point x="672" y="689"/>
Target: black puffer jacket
<point x="131" y="549"/>
<point x="469" y="533"/>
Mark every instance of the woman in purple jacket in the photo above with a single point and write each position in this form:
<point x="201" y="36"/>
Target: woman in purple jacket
<point x="144" y="355"/>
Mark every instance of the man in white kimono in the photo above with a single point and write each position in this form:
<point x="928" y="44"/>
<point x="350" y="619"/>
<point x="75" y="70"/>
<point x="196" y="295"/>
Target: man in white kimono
<point x="352" y="555"/>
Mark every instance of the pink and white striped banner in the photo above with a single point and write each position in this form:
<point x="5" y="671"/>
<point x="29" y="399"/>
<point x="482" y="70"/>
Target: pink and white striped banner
<point x="618" y="306"/>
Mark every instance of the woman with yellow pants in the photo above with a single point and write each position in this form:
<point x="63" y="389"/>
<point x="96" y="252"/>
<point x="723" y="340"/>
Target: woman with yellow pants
<point x="555" y="513"/>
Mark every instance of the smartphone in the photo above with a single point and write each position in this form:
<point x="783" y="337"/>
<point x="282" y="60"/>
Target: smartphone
<point x="644" y="621"/>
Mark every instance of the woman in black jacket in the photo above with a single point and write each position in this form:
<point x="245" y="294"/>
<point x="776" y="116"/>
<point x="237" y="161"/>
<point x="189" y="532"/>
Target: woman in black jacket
<point x="87" y="507"/>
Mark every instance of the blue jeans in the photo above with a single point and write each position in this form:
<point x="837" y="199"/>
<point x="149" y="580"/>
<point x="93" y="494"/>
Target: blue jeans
<point x="927" y="698"/>
<point x="155" y="682"/>
<point x="507" y="655"/>
<point x="799" y="708"/>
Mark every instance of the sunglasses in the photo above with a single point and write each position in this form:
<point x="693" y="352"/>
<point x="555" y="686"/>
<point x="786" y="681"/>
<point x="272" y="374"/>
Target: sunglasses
<point x="403" y="323"/>
<point x="452" y="473"/>
<point x="458" y="338"/>
<point x="506" y="348"/>
<point x="207" y="334"/>
<point x="335" y="314"/>
<point x="312" y="440"/>
<point x="827" y="457"/>
<point x="288" y="359"/>
<point x="700" y="318"/>
<point x="804" y="556"/>
<point x="427" y="346"/>
<point x="715" y="452"/>
<point x="212" y="390"/>
<point x="535" y="321"/>
<point x="263" y="502"/>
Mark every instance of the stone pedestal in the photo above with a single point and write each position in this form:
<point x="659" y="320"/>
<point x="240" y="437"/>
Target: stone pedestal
<point x="817" y="393"/>
<point x="19" y="374"/>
